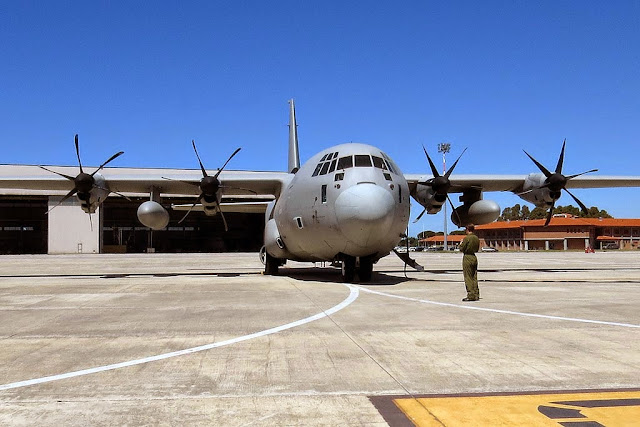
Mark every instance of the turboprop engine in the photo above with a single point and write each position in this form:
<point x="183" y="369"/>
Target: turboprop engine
<point x="151" y="214"/>
<point x="429" y="199"/>
<point x="479" y="212"/>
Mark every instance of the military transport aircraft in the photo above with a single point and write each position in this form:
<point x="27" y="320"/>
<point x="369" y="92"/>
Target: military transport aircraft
<point x="347" y="204"/>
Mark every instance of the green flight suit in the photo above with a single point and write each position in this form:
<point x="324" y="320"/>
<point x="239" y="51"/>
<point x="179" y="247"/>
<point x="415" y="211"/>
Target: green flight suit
<point x="469" y="246"/>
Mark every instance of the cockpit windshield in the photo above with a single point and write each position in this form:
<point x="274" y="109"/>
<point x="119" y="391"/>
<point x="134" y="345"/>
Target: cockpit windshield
<point x="330" y="163"/>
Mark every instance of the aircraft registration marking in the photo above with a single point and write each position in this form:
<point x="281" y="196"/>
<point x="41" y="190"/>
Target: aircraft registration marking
<point x="598" y="408"/>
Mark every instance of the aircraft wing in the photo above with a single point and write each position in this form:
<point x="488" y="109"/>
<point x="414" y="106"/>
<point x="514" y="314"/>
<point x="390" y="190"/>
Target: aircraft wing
<point x="140" y="181"/>
<point x="514" y="183"/>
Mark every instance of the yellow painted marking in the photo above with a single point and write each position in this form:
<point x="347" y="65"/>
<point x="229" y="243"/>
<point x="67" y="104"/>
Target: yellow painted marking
<point x="517" y="410"/>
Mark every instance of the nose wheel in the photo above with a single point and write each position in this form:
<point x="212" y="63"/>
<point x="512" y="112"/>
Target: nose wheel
<point x="348" y="269"/>
<point x="365" y="270"/>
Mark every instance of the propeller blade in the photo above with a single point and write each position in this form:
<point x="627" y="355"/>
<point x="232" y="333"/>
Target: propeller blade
<point x="542" y="168"/>
<point x="110" y="191"/>
<point x="70" y="178"/>
<point x="69" y="194"/>
<point x="453" y="209"/>
<point x="561" y="158"/>
<point x="420" y="216"/>
<point x="195" y="184"/>
<point x="191" y="208"/>
<point x="78" y="153"/>
<point x="582" y="206"/>
<point x="225" y="163"/>
<point x="226" y="227"/>
<point x="448" y="173"/>
<point x="239" y="188"/>
<point x="550" y="214"/>
<point x="578" y="174"/>
<point x="118" y="154"/>
<point x="204" y="172"/>
<point x="434" y="170"/>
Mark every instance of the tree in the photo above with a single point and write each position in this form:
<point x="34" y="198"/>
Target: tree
<point x="517" y="213"/>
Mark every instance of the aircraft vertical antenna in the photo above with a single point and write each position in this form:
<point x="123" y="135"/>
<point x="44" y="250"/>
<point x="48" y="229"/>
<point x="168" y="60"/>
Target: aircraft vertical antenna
<point x="294" y="155"/>
<point x="444" y="148"/>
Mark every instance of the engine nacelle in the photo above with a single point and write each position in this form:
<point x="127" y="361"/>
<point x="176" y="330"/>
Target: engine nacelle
<point x="90" y="201"/>
<point x="425" y="195"/>
<point x="151" y="214"/>
<point x="532" y="193"/>
<point x="209" y="205"/>
<point x="480" y="212"/>
<point x="273" y="242"/>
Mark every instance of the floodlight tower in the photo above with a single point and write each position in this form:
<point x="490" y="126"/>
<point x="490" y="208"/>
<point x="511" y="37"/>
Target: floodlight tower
<point x="444" y="148"/>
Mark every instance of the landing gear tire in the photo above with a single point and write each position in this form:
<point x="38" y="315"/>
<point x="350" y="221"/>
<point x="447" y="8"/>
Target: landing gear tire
<point x="366" y="269"/>
<point x="271" y="265"/>
<point x="348" y="269"/>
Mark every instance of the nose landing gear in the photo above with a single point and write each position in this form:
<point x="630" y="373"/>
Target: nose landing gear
<point x="350" y="267"/>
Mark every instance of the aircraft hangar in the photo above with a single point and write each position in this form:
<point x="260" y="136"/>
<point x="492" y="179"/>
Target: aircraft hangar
<point x="27" y="228"/>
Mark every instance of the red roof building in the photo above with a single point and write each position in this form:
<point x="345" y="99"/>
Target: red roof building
<point x="564" y="232"/>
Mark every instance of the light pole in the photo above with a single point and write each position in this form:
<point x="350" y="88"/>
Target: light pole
<point x="444" y="148"/>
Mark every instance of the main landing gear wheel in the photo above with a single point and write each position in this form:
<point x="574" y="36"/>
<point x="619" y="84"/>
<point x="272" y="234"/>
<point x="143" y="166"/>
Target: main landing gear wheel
<point x="348" y="269"/>
<point x="271" y="264"/>
<point x="366" y="269"/>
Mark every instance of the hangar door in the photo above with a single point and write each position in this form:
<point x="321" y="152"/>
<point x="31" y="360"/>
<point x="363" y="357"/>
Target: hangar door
<point x="23" y="225"/>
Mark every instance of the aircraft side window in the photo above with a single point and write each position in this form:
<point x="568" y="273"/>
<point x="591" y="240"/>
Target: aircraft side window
<point x="325" y="168"/>
<point x="345" y="162"/>
<point x="324" y="194"/>
<point x="363" y="160"/>
<point x="333" y="166"/>
<point x="389" y="163"/>
<point x="378" y="162"/>
<point x="317" y="171"/>
<point x="389" y="166"/>
<point x="387" y="176"/>
<point x="340" y="176"/>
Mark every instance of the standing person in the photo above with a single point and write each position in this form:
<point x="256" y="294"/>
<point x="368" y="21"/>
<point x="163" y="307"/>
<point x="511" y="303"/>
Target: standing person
<point x="469" y="246"/>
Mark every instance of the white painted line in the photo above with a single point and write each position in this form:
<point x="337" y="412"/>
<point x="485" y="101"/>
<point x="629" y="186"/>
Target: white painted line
<point x="353" y="295"/>
<point x="492" y="310"/>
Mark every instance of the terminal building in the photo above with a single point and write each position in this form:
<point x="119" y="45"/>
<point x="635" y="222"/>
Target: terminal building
<point x="564" y="232"/>
<point x="27" y="228"/>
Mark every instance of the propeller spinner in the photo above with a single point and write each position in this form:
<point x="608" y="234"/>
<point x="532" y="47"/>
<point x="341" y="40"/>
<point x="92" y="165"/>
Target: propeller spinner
<point x="556" y="182"/>
<point x="439" y="183"/>
<point x="83" y="183"/>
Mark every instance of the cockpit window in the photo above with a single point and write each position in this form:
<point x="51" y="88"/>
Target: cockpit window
<point x="390" y="164"/>
<point x="326" y="164"/>
<point x="378" y="162"/>
<point x="325" y="168"/>
<point x="363" y="160"/>
<point x="345" y="162"/>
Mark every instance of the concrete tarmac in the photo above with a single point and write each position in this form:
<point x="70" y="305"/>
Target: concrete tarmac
<point x="206" y="339"/>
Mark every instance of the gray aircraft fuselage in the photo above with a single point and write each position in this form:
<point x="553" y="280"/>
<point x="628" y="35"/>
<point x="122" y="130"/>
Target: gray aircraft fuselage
<point x="350" y="199"/>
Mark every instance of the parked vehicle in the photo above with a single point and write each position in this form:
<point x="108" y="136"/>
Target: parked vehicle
<point x="488" y="249"/>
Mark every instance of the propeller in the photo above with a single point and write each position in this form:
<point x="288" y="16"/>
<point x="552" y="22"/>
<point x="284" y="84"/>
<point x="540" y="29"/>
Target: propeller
<point x="556" y="182"/>
<point x="439" y="183"/>
<point x="209" y="186"/>
<point x="83" y="183"/>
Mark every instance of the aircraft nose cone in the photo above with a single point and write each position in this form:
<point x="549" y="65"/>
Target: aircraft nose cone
<point x="364" y="213"/>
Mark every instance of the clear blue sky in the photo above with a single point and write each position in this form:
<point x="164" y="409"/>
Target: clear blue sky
<point x="494" y="76"/>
